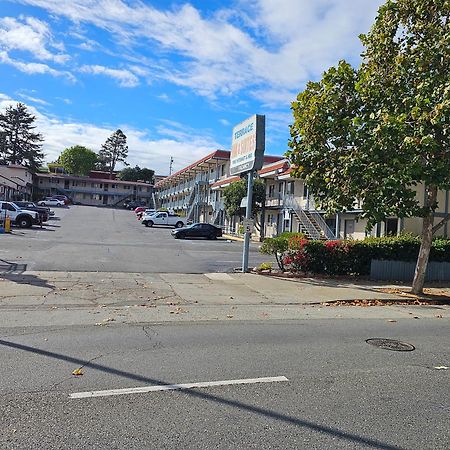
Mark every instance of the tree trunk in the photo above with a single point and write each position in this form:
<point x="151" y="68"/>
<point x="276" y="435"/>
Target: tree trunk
<point x="425" y="246"/>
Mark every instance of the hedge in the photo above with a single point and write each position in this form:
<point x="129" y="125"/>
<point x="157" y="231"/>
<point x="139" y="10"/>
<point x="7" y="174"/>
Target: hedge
<point x="348" y="257"/>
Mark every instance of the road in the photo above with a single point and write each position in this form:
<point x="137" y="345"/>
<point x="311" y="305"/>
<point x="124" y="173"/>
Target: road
<point x="341" y="392"/>
<point x="83" y="238"/>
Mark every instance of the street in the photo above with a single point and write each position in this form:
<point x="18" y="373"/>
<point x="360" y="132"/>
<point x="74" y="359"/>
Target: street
<point x="83" y="238"/>
<point x="341" y="392"/>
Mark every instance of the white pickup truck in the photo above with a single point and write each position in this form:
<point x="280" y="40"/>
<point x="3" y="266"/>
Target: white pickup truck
<point x="20" y="217"/>
<point x="163" y="218"/>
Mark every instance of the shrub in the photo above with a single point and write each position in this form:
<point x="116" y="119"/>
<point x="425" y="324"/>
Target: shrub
<point x="278" y="246"/>
<point x="349" y="257"/>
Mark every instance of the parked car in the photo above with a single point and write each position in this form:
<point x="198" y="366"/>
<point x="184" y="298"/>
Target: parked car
<point x="20" y="217"/>
<point x="51" y="201"/>
<point x="147" y="211"/>
<point x="43" y="211"/>
<point x="204" y="230"/>
<point x="67" y="200"/>
<point x="163" y="218"/>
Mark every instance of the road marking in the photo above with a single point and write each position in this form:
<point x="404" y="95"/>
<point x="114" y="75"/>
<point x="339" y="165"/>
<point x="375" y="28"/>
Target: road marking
<point x="171" y="387"/>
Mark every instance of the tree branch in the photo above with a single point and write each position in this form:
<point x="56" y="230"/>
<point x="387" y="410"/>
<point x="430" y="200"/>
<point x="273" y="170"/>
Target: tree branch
<point x="441" y="223"/>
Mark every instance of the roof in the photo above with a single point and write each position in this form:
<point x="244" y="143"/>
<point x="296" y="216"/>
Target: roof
<point x="224" y="182"/>
<point x="89" y="179"/>
<point x="217" y="154"/>
<point x="277" y="167"/>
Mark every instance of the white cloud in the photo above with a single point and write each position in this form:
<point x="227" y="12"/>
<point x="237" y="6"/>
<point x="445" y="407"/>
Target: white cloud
<point x="145" y="149"/>
<point x="125" y="77"/>
<point x="34" y="68"/>
<point x="225" y="122"/>
<point x="31" y="99"/>
<point x="273" y="46"/>
<point x="30" y="35"/>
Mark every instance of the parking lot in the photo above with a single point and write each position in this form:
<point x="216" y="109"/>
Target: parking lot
<point x="83" y="238"/>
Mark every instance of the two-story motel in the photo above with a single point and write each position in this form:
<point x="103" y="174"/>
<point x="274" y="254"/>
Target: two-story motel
<point x="197" y="192"/>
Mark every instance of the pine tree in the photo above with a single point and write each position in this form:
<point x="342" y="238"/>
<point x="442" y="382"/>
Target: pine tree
<point x="114" y="150"/>
<point x="19" y="144"/>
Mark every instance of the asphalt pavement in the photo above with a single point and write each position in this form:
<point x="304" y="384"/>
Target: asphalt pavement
<point x="84" y="238"/>
<point x="340" y="393"/>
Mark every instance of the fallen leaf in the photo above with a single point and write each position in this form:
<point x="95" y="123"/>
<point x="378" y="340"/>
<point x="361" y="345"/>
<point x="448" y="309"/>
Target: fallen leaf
<point x="78" y="372"/>
<point x="392" y="321"/>
<point x="438" y="316"/>
<point x="441" y="368"/>
<point x="229" y="316"/>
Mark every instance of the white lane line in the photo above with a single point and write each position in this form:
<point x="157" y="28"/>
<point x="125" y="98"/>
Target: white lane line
<point x="171" y="387"/>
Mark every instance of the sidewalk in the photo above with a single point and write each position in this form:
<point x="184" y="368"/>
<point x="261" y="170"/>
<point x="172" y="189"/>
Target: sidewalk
<point x="88" y="298"/>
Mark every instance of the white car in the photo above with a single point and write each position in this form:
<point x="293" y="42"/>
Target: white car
<point x="49" y="201"/>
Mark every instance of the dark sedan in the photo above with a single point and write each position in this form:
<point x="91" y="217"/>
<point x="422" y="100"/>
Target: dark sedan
<point x="196" y="230"/>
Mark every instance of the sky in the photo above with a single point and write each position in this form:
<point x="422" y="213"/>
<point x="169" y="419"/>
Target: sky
<point x="174" y="76"/>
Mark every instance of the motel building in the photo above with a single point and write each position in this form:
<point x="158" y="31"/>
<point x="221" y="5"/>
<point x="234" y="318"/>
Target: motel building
<point x="197" y="193"/>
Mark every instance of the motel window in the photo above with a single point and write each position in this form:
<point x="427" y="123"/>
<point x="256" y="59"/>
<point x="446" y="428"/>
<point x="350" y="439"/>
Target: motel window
<point x="290" y="187"/>
<point x="305" y="190"/>
<point x="271" y="190"/>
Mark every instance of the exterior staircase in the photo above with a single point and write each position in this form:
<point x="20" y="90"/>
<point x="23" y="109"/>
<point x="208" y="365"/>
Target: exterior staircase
<point x="311" y="222"/>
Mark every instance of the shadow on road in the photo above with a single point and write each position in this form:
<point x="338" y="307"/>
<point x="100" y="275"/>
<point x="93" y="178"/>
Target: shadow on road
<point x="15" y="272"/>
<point x="212" y="398"/>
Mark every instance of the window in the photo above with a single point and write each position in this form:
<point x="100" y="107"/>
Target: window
<point x="83" y="183"/>
<point x="93" y="185"/>
<point x="391" y="227"/>
<point x="271" y="190"/>
<point x="280" y="186"/>
<point x="305" y="190"/>
<point x="290" y="187"/>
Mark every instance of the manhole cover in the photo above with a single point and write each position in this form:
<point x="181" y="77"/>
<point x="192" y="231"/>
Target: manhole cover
<point x="391" y="344"/>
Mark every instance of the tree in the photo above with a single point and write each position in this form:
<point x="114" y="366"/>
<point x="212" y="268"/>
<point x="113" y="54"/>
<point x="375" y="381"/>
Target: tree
<point x="377" y="133"/>
<point x="78" y="160"/>
<point x="136" y="173"/>
<point x="19" y="144"/>
<point x="114" y="150"/>
<point x="235" y="192"/>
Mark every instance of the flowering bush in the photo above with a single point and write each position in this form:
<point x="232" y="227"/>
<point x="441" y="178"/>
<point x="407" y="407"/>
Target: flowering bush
<point x="297" y="254"/>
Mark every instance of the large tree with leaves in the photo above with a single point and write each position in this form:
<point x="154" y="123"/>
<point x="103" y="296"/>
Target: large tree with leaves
<point x="19" y="143"/>
<point x="235" y="192"/>
<point x="78" y="160"/>
<point x="114" y="150"/>
<point x="136" y="173"/>
<point x="381" y="133"/>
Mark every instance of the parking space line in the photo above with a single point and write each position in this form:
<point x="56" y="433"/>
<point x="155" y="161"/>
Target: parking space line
<point x="171" y="387"/>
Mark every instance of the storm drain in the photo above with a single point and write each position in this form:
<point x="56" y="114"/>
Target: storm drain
<point x="391" y="344"/>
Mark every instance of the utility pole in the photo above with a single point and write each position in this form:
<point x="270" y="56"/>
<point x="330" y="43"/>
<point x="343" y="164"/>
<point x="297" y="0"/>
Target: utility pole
<point x="170" y="165"/>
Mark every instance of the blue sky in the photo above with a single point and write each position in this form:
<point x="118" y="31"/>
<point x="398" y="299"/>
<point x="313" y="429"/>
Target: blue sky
<point x="174" y="76"/>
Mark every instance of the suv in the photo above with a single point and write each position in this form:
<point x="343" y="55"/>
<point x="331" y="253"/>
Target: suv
<point x="23" y="218"/>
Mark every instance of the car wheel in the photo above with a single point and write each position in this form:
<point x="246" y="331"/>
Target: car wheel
<point x="24" y="222"/>
<point x="58" y="205"/>
<point x="180" y="236"/>
<point x="179" y="225"/>
<point x="145" y="223"/>
<point x="42" y="204"/>
<point x="149" y="223"/>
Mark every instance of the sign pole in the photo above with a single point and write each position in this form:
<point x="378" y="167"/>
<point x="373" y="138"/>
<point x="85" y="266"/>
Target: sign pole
<point x="248" y="215"/>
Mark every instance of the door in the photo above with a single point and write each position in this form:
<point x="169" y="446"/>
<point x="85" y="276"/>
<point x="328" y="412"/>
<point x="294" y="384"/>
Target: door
<point x="66" y="184"/>
<point x="349" y="228"/>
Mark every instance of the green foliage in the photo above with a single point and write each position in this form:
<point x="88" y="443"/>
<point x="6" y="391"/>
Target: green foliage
<point x="114" y="150"/>
<point x="19" y="143"/>
<point x="265" y="266"/>
<point x="278" y="245"/>
<point x="78" y="160"/>
<point x="354" y="257"/>
<point x="374" y="134"/>
<point x="235" y="192"/>
<point x="136" y="173"/>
